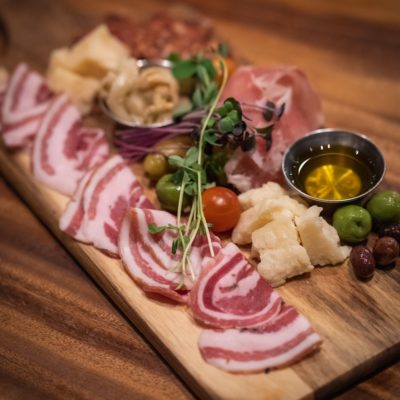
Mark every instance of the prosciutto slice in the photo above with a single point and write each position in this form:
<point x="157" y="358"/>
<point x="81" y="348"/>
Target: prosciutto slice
<point x="255" y="86"/>
<point x="109" y="191"/>
<point x="230" y="293"/>
<point x="287" y="338"/>
<point x="149" y="259"/>
<point x="26" y="99"/>
<point x="63" y="150"/>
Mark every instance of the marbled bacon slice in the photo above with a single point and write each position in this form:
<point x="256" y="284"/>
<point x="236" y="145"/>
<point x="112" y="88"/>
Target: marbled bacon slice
<point x="24" y="102"/>
<point x="284" y="340"/>
<point x="230" y="293"/>
<point x="148" y="257"/>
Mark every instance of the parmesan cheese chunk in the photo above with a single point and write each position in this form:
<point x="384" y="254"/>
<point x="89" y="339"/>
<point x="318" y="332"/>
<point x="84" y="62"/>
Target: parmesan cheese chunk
<point x="277" y="233"/>
<point x="320" y="239"/>
<point x="270" y="190"/>
<point x="282" y="263"/>
<point x="263" y="213"/>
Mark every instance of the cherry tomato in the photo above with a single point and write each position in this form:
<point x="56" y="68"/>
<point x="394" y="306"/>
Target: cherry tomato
<point x="221" y="208"/>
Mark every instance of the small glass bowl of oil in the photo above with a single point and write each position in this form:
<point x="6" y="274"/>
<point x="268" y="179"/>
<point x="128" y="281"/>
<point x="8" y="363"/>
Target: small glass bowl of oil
<point x="330" y="167"/>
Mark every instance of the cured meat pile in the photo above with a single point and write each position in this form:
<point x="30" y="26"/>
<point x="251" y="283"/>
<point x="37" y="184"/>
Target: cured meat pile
<point x="96" y="210"/>
<point x="25" y="101"/>
<point x="148" y="257"/>
<point x="163" y="34"/>
<point x="247" y="327"/>
<point x="252" y="330"/>
<point x="303" y="113"/>
<point x="63" y="150"/>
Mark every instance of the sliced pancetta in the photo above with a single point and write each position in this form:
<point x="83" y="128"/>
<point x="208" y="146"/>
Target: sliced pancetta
<point x="26" y="99"/>
<point x="149" y="259"/>
<point x="71" y="221"/>
<point x="63" y="150"/>
<point x="111" y="189"/>
<point x="287" y="338"/>
<point x="254" y="86"/>
<point x="230" y="293"/>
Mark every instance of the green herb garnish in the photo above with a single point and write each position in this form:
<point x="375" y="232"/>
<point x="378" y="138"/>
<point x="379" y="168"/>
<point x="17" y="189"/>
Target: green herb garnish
<point x="202" y="71"/>
<point x="222" y="127"/>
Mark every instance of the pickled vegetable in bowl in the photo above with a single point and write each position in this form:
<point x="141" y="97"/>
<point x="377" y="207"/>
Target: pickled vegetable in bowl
<point x="141" y="93"/>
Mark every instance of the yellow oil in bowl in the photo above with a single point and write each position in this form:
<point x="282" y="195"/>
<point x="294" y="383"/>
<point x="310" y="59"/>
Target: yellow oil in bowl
<point x="334" y="173"/>
<point x="331" y="167"/>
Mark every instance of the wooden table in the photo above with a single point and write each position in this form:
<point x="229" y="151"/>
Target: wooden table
<point x="60" y="336"/>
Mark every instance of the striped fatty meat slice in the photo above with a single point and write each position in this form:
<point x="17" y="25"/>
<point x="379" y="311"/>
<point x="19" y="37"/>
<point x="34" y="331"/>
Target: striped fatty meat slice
<point x="148" y="257"/>
<point x="63" y="150"/>
<point x="230" y="293"/>
<point x="284" y="340"/>
<point x="109" y="192"/>
<point x="25" y="101"/>
<point x="73" y="216"/>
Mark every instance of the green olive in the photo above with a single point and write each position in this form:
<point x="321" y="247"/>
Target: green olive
<point x="155" y="165"/>
<point x="168" y="194"/>
<point x="353" y="223"/>
<point x="385" y="206"/>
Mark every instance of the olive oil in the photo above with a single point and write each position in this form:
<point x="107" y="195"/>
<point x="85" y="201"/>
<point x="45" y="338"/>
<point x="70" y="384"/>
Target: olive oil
<point x="334" y="173"/>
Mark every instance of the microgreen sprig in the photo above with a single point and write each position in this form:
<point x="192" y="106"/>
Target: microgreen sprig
<point x="195" y="175"/>
<point x="201" y="70"/>
<point x="191" y="176"/>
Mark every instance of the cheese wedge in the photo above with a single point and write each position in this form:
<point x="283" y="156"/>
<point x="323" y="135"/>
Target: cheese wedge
<point x="270" y="190"/>
<point x="284" y="262"/>
<point x="320" y="239"/>
<point x="263" y="213"/>
<point x="277" y="233"/>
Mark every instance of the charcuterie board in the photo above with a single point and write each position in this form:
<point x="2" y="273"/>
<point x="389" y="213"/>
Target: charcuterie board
<point x="357" y="321"/>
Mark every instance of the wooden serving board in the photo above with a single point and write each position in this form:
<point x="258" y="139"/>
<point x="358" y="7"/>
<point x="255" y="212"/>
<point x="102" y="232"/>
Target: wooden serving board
<point x="359" y="322"/>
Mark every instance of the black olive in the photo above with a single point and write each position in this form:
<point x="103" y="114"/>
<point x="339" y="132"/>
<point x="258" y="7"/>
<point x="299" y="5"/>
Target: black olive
<point x="363" y="262"/>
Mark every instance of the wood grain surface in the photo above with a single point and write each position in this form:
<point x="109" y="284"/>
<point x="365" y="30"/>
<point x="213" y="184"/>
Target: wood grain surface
<point x="350" y="53"/>
<point x="60" y="337"/>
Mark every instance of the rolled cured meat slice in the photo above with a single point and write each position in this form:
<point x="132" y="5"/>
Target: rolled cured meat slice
<point x="149" y="259"/>
<point x="111" y="189"/>
<point x="230" y="293"/>
<point x="26" y="99"/>
<point x="287" y="338"/>
<point x="63" y="150"/>
<point x="255" y="86"/>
